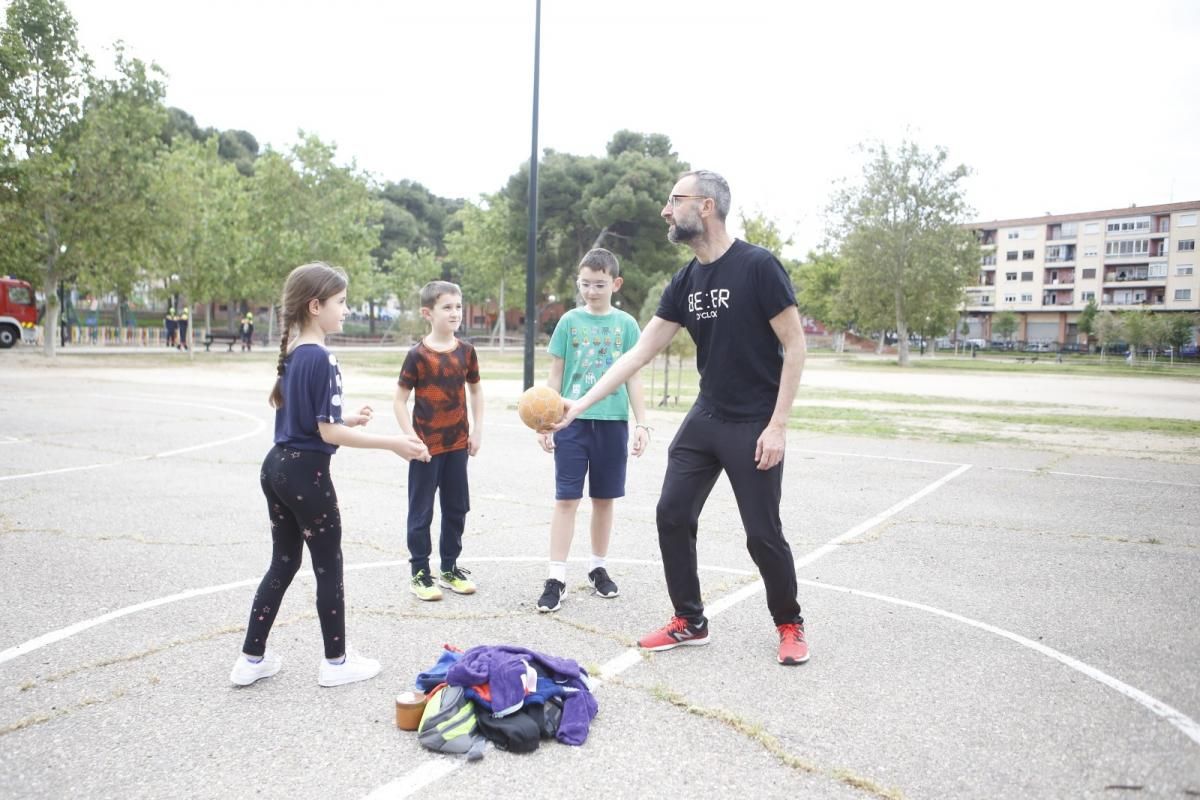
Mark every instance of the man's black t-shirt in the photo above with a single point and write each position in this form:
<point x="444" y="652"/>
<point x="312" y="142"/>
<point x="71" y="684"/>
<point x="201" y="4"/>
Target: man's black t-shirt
<point x="727" y="307"/>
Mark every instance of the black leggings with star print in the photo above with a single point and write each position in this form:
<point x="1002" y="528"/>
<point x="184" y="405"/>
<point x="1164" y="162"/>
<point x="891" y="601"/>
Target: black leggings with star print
<point x="303" y="508"/>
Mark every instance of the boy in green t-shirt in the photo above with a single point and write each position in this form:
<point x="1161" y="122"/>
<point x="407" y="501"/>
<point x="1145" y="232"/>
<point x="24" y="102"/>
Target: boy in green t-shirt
<point x="585" y="343"/>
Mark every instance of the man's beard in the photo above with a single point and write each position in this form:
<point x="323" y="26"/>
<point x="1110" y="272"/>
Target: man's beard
<point x="684" y="231"/>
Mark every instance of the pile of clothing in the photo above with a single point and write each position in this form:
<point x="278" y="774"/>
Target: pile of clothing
<point x="511" y="696"/>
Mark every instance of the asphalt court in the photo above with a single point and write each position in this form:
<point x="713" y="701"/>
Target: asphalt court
<point x="952" y="566"/>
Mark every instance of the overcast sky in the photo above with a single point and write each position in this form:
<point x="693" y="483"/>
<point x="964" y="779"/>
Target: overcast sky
<point x="1056" y="106"/>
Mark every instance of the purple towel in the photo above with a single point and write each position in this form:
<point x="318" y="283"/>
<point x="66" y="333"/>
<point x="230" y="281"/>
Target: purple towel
<point x="502" y="666"/>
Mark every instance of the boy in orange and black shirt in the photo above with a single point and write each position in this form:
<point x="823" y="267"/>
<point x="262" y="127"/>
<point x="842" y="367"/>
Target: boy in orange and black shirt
<point x="441" y="368"/>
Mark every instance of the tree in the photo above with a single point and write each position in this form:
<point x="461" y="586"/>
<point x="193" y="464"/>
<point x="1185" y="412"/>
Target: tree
<point x="612" y="202"/>
<point x="1180" y="331"/>
<point x="682" y="345"/>
<point x="903" y="236"/>
<point x="43" y="76"/>
<point x="1109" y="329"/>
<point x="488" y="258"/>
<point x="111" y="220"/>
<point x="1086" y="324"/>
<point x="1005" y="324"/>
<point x="818" y="293"/>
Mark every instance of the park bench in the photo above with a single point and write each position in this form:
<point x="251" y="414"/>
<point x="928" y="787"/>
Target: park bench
<point x="1022" y="359"/>
<point x="222" y="336"/>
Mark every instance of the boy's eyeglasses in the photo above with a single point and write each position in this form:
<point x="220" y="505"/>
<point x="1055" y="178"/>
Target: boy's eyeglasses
<point x="674" y="199"/>
<point x="585" y="286"/>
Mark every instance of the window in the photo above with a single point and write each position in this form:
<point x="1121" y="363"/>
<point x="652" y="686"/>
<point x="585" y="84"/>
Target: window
<point x="1010" y="298"/>
<point x="1158" y="270"/>
<point x="1068" y="229"/>
<point x="1128" y="225"/>
<point x="1085" y="296"/>
<point x="1091" y="227"/>
<point x="1183" y="269"/>
<point x="1011" y="255"/>
<point x="989" y="259"/>
<point x="1026" y="276"/>
<point x="1013" y="234"/>
<point x="1027" y="255"/>
<point x="1026" y="298"/>
<point x="1089" y="273"/>
<point x="1186" y="220"/>
<point x="1187" y="245"/>
<point x="1129" y="247"/>
<point x="1091" y="251"/>
<point x="1183" y="294"/>
<point x="985" y="299"/>
<point x="1010" y="276"/>
<point x="1029" y="233"/>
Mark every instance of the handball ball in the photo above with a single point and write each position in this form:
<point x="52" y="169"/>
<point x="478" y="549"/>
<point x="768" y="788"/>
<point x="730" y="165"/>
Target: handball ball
<point x="540" y="407"/>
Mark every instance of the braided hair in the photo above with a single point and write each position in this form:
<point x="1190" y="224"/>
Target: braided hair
<point x="307" y="282"/>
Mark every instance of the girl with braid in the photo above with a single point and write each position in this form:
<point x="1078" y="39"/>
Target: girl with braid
<point x="301" y="501"/>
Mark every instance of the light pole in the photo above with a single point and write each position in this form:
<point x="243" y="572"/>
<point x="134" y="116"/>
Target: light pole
<point x="531" y="242"/>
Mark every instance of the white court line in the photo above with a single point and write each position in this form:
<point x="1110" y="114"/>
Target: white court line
<point x="404" y="786"/>
<point x="414" y="780"/>
<point x="1189" y="726"/>
<point x="1096" y="477"/>
<point x="260" y="424"/>
<point x="80" y="627"/>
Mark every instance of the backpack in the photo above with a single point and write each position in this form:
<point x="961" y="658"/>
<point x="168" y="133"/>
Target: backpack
<point x="448" y="724"/>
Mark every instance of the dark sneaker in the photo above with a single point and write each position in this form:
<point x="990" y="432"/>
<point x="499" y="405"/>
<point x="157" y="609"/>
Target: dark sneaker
<point x="603" y="584"/>
<point x="552" y="595"/>
<point x="676" y="632"/>
<point x="793" y="649"/>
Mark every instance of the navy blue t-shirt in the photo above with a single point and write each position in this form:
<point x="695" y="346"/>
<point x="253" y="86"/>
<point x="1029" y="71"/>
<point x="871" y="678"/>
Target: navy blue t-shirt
<point x="312" y="393"/>
<point x="727" y="307"/>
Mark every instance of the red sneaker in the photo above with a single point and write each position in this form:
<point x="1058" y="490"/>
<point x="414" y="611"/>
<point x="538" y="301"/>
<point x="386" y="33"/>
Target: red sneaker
<point x="792" y="647"/>
<point x="676" y="632"/>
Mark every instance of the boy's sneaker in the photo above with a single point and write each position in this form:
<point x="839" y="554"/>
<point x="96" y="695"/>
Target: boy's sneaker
<point x="456" y="580"/>
<point x="552" y="595"/>
<point x="354" y="668"/>
<point x="603" y="584"/>
<point x="793" y="649"/>
<point x="422" y="586"/>
<point x="676" y="632"/>
<point x="246" y="672"/>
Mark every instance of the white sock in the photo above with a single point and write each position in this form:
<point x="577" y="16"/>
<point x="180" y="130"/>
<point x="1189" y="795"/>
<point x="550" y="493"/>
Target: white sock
<point x="558" y="571"/>
<point x="337" y="661"/>
<point x="596" y="563"/>
<point x="253" y="659"/>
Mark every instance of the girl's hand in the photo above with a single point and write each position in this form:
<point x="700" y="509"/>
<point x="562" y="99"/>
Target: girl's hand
<point x="363" y="416"/>
<point x="546" y="440"/>
<point x="411" y="447"/>
<point x="641" y="440"/>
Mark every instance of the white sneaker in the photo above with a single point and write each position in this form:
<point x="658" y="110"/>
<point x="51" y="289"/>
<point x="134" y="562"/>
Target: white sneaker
<point x="246" y="672"/>
<point x="354" y="668"/>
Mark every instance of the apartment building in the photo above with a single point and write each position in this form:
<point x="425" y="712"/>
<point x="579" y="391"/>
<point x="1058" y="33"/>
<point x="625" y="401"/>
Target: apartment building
<point x="1047" y="268"/>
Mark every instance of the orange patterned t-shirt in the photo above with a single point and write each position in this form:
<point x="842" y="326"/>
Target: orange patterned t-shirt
<point x="439" y="382"/>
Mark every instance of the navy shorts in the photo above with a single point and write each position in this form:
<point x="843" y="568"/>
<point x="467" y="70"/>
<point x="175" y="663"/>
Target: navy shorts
<point x="592" y="447"/>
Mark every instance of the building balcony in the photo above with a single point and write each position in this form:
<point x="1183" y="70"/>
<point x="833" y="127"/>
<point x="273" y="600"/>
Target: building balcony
<point x="1132" y="276"/>
<point x="1058" y="298"/>
<point x="1156" y="300"/>
<point x="1061" y="282"/>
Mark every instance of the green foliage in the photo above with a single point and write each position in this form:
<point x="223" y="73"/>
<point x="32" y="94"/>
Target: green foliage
<point x="486" y="252"/>
<point x="1005" y="324"/>
<point x="901" y="232"/>
<point x="1109" y="329"/>
<point x="612" y="202"/>
<point x="1087" y="318"/>
<point x="818" y="289"/>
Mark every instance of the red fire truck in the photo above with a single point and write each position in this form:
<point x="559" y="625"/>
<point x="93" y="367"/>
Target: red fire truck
<point x="18" y="312"/>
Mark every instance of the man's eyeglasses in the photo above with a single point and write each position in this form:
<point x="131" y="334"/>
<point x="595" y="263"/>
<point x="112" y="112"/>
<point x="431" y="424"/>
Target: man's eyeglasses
<point x="674" y="199"/>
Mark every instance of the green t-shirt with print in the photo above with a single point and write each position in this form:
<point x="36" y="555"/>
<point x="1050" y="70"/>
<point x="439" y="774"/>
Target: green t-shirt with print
<point x="588" y="345"/>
